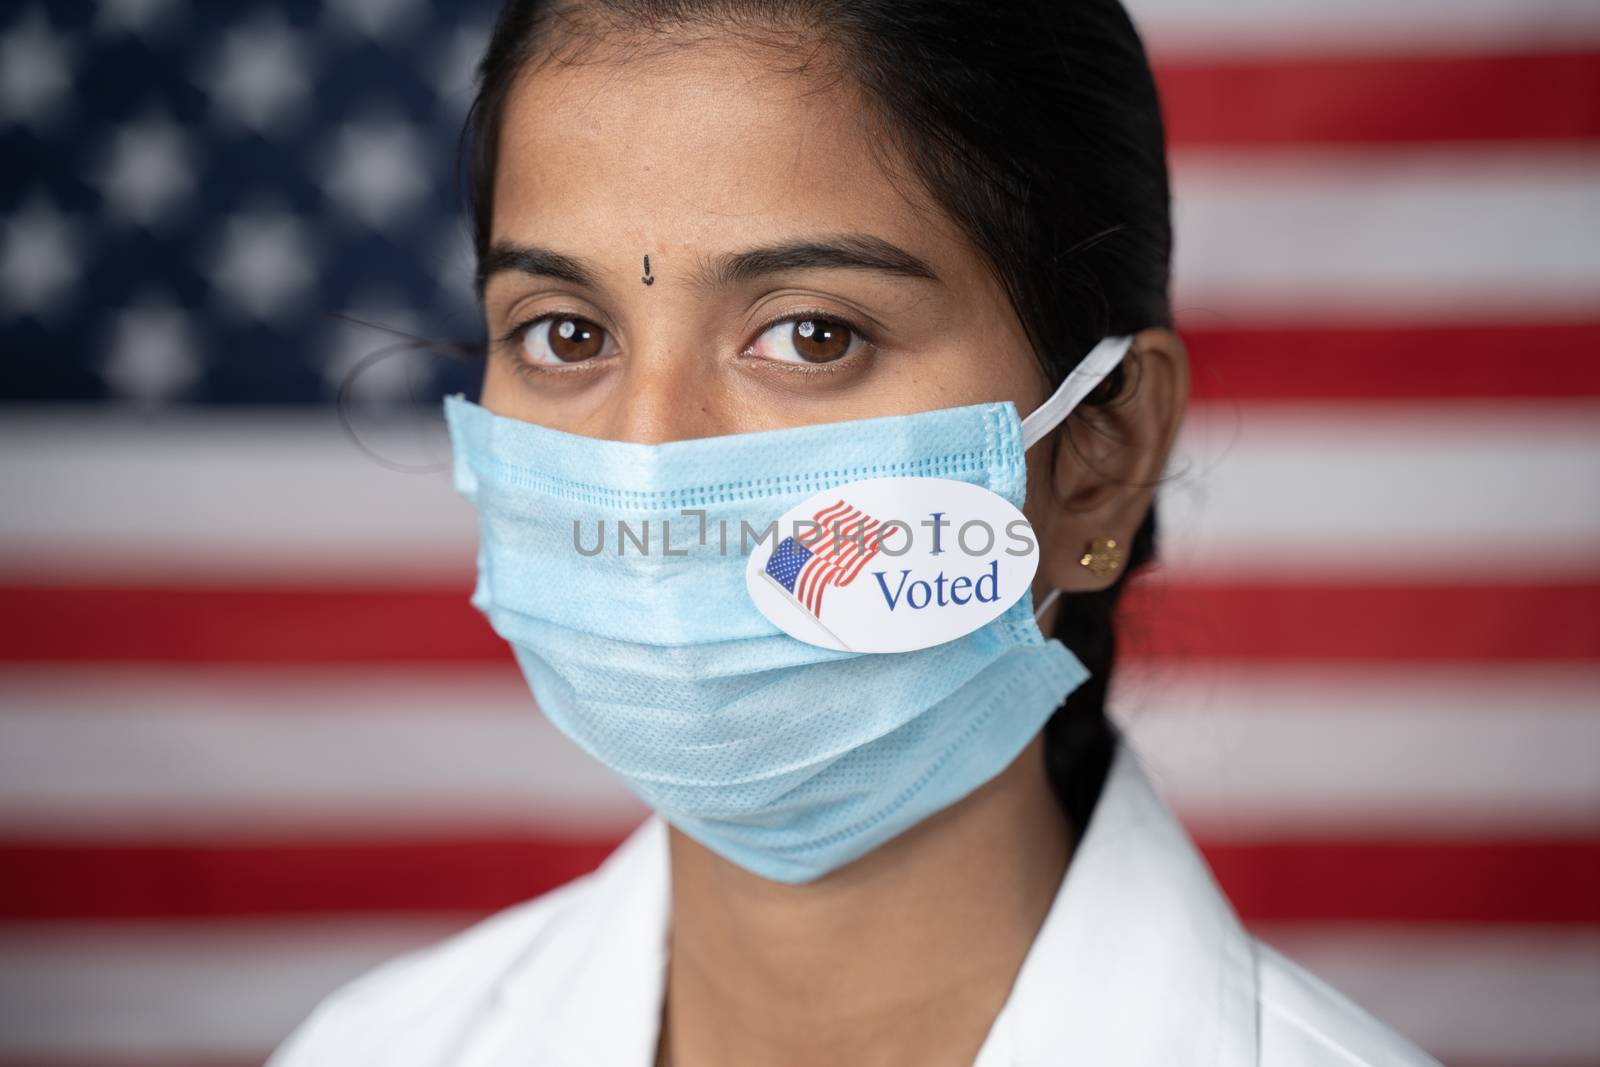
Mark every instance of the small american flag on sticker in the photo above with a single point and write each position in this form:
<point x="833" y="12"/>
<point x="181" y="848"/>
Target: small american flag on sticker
<point x="841" y="541"/>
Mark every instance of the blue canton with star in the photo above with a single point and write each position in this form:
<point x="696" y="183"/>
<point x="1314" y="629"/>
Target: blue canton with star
<point x="787" y="560"/>
<point x="200" y="197"/>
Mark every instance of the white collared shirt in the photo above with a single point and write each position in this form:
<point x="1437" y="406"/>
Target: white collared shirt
<point x="1141" y="961"/>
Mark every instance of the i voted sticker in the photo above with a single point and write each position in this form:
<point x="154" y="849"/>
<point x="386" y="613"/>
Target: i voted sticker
<point x="892" y="564"/>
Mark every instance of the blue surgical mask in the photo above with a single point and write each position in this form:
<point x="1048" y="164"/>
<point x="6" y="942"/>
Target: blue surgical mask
<point x="786" y="758"/>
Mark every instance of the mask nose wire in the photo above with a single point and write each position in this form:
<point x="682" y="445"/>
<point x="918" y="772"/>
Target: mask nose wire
<point x="1079" y="383"/>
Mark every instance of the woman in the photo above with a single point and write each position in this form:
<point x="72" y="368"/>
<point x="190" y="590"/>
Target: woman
<point x="733" y="255"/>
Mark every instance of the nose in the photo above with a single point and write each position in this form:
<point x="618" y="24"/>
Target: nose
<point x="663" y="395"/>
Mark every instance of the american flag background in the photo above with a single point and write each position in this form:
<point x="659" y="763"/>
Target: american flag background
<point x="253" y="738"/>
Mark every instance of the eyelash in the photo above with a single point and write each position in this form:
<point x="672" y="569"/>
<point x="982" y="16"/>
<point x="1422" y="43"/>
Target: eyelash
<point x="506" y="345"/>
<point x="868" y="345"/>
<point x="515" y="335"/>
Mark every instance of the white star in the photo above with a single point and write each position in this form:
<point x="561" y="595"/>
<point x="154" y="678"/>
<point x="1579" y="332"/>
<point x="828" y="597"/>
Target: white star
<point x="153" y="355"/>
<point x="376" y="169"/>
<point x="147" y="170"/>
<point x="375" y="18"/>
<point x="133" y="16"/>
<point x="263" y="263"/>
<point x="452" y="263"/>
<point x="38" y="258"/>
<point x="35" y="71"/>
<point x="453" y="67"/>
<point x="387" y="378"/>
<point x="260" y="76"/>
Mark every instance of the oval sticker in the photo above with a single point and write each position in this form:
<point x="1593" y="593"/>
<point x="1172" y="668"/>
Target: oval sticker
<point x="892" y="564"/>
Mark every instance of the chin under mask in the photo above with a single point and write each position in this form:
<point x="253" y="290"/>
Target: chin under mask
<point x="786" y="758"/>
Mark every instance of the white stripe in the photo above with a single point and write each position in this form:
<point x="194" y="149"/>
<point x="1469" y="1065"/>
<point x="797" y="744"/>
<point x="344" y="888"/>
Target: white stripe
<point x="1454" y="233"/>
<point x="249" y="493"/>
<point x="1239" y="26"/>
<point x="169" y="755"/>
<point x="239" y="754"/>
<point x="236" y="989"/>
<point x="1479" y="995"/>
<point x="121" y="991"/>
<point x="1485" y="491"/>
<point x="1492" y="490"/>
<point x="1387" y="752"/>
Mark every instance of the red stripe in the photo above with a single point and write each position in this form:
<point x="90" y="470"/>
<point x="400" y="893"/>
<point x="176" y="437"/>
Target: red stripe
<point x="1535" y="96"/>
<point x="1553" y="881"/>
<point x="821" y="519"/>
<point x="132" y="624"/>
<point x="1167" y="619"/>
<point x="815" y="569"/>
<point x="815" y="572"/>
<point x="1500" y="881"/>
<point x="1161" y="617"/>
<point x="841" y="534"/>
<point x="863" y="548"/>
<point x="1377" y="361"/>
<point x="856" y="547"/>
<point x="851" y="540"/>
<point x="814" y="575"/>
<point x="808" y="582"/>
<point x="855" y="567"/>
<point x="821" y="587"/>
<point x="825" y="568"/>
<point x="116" y="881"/>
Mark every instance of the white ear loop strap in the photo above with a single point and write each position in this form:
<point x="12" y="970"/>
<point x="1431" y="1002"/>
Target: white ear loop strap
<point x="1100" y="361"/>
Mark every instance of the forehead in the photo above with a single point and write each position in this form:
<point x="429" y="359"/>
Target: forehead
<point x="706" y="143"/>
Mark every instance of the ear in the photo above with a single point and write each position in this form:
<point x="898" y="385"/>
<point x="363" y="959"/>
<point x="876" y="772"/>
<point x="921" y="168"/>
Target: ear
<point x="1108" y="459"/>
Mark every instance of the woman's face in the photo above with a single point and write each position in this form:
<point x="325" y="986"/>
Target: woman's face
<point x="791" y="281"/>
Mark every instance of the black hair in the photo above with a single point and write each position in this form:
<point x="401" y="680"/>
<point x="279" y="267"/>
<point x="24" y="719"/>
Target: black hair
<point x="1035" y="124"/>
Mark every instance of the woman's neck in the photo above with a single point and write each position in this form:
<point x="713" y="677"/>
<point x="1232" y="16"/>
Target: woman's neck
<point x="903" y="957"/>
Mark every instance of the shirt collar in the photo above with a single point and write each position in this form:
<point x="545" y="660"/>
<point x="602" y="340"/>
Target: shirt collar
<point x="1140" y="961"/>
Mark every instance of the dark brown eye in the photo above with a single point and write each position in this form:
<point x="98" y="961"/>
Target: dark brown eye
<point x="574" y="340"/>
<point x="809" y="341"/>
<point x="564" y="339"/>
<point x="820" y="340"/>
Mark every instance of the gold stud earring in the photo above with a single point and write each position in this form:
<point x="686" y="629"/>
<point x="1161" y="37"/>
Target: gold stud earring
<point x="1103" y="558"/>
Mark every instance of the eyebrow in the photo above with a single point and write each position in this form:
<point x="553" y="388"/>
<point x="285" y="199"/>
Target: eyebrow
<point x="531" y="260"/>
<point x="850" y="251"/>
